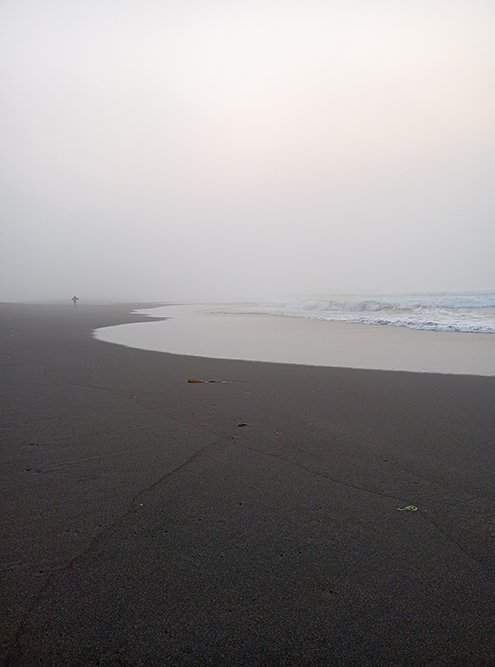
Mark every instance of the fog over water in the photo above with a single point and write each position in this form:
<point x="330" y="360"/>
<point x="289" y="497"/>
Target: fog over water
<point x="214" y="150"/>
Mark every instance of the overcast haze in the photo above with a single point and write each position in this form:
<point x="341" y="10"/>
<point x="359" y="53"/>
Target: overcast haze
<point x="165" y="150"/>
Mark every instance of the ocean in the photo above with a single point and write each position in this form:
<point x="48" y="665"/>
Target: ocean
<point x="472" y="312"/>
<point x="436" y="333"/>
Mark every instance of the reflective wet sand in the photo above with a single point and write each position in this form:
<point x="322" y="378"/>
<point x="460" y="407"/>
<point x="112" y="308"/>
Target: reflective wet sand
<point x="205" y="332"/>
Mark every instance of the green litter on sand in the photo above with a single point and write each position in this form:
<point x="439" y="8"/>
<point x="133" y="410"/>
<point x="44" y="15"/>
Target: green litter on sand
<point x="411" y="508"/>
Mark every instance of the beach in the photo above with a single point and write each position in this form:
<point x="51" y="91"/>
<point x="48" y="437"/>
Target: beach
<point x="281" y="515"/>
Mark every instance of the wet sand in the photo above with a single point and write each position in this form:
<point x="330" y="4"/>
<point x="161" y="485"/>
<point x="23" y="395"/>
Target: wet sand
<point x="141" y="525"/>
<point x="213" y="331"/>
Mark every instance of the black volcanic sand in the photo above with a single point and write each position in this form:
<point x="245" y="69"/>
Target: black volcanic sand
<point x="141" y="525"/>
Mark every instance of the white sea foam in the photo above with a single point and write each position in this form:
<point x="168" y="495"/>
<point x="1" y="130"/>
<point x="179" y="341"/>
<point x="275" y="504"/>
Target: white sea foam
<point x="466" y="312"/>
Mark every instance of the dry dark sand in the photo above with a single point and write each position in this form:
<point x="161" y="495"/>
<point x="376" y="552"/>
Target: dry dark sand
<point x="142" y="526"/>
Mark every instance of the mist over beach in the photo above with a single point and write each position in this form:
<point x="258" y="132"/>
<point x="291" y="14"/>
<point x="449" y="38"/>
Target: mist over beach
<point x="247" y="333"/>
<point x="224" y="150"/>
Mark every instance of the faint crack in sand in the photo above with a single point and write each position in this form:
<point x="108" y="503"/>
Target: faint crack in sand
<point x="15" y="657"/>
<point x="448" y="536"/>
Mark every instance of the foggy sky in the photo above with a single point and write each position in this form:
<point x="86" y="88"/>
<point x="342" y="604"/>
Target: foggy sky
<point x="219" y="149"/>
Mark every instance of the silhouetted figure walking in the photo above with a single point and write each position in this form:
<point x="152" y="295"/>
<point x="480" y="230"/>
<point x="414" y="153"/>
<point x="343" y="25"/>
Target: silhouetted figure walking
<point x="74" y="300"/>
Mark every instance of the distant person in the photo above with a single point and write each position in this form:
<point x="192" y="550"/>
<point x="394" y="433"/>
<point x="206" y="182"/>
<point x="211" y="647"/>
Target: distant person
<point x="74" y="300"/>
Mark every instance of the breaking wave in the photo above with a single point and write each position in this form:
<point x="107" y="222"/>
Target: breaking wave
<point x="468" y="312"/>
